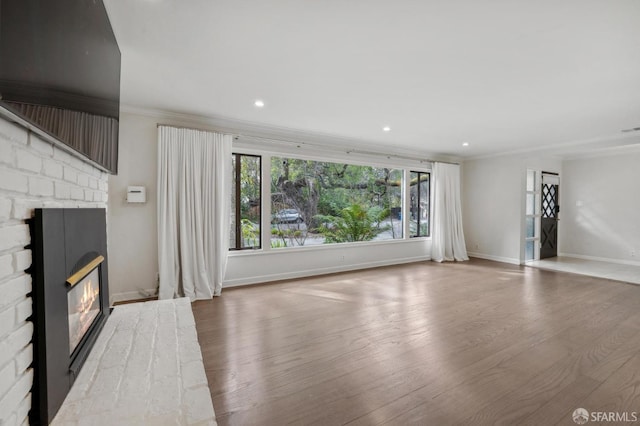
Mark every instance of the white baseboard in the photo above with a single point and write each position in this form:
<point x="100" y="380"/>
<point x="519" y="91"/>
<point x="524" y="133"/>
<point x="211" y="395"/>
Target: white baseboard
<point x="319" y="271"/>
<point x="601" y="259"/>
<point x="509" y="260"/>
<point x="142" y="293"/>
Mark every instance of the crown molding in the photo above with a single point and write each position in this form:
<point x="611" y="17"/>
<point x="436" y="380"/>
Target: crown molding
<point x="267" y="133"/>
<point x="572" y="149"/>
<point x="583" y="148"/>
<point x="610" y="151"/>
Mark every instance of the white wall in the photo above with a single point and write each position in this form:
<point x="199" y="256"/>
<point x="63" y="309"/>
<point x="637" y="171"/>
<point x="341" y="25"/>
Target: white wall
<point x="493" y="204"/>
<point x="600" y="202"/>
<point x="133" y="236"/>
<point x="255" y="267"/>
<point x="33" y="174"/>
<point x="133" y="241"/>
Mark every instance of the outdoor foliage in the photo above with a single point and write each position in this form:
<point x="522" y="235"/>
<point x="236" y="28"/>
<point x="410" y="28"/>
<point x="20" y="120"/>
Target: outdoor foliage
<point x="419" y="204"/>
<point x="250" y="233"/>
<point x="288" y="237"/>
<point x="353" y="224"/>
<point x="321" y="202"/>
<point x="245" y="232"/>
<point x="250" y="187"/>
<point x="320" y="190"/>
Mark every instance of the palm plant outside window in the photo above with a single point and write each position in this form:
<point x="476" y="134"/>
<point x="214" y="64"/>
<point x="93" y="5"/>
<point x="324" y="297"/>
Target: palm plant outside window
<point x="315" y="202"/>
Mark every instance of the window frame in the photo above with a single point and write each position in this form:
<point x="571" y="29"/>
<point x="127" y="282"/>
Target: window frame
<point x="339" y="162"/>
<point x="303" y="152"/>
<point x="237" y="214"/>
<point x="429" y="197"/>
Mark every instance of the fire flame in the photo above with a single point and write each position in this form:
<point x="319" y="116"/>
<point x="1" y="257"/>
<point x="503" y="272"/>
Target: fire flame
<point x="89" y="295"/>
<point x="83" y="307"/>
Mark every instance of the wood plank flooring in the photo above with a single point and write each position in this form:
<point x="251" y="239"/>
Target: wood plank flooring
<point x="476" y="343"/>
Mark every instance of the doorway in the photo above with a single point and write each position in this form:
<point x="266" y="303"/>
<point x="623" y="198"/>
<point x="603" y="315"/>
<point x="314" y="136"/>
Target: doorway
<point x="550" y="210"/>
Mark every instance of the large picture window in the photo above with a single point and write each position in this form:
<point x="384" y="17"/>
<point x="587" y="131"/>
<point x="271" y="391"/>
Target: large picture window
<point x="315" y="202"/>
<point x="245" y="202"/>
<point x="419" y="201"/>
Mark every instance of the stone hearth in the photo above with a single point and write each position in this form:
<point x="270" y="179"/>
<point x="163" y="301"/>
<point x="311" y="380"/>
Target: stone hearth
<point x="145" y="368"/>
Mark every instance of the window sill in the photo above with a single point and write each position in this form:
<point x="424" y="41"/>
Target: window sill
<point x="322" y="247"/>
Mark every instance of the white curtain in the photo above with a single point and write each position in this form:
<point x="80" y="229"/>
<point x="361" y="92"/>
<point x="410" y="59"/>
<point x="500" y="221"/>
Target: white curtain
<point x="448" y="237"/>
<point x="194" y="207"/>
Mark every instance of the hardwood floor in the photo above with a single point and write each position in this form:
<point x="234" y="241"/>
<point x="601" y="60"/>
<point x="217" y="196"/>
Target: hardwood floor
<point x="426" y="343"/>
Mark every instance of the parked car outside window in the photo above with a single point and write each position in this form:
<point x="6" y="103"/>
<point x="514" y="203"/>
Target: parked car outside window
<point x="288" y="216"/>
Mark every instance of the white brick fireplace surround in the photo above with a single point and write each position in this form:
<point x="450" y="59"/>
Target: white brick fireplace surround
<point x="33" y="173"/>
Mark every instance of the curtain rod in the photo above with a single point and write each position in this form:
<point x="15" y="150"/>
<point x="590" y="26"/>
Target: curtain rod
<point x="347" y="150"/>
<point x="188" y="128"/>
<point x="317" y="145"/>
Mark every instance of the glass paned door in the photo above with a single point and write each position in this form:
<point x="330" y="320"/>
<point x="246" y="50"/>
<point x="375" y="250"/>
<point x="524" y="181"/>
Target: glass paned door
<point x="532" y="216"/>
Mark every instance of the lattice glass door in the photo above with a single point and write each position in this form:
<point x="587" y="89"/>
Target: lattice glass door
<point x="549" y="220"/>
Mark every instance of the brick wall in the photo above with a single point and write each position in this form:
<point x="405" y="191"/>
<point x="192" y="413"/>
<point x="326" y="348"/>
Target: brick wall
<point x="33" y="173"/>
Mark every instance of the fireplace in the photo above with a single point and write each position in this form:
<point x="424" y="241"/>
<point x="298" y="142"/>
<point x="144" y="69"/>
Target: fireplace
<point x="83" y="301"/>
<point x="70" y="300"/>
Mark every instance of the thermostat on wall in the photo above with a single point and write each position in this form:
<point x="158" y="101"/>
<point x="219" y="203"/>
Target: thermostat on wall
<point x="136" y="194"/>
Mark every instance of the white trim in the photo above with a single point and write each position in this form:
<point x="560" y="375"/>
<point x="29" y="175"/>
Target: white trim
<point x="265" y="204"/>
<point x="406" y="203"/>
<point x="320" y="271"/>
<point x="332" y="143"/>
<point x="321" y="247"/>
<point x="510" y="260"/>
<point x="127" y="296"/>
<point x="562" y="150"/>
<point x="568" y="149"/>
<point x="601" y="259"/>
<point x="604" y="151"/>
<point x="329" y="154"/>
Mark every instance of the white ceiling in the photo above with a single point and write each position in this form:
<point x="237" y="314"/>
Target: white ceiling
<point x="502" y="75"/>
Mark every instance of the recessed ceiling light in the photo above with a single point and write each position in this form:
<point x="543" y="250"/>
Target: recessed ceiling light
<point x="465" y="143"/>
<point x="386" y="129"/>
<point x="259" y="103"/>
